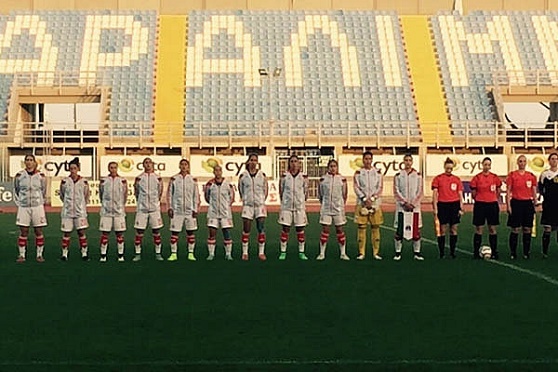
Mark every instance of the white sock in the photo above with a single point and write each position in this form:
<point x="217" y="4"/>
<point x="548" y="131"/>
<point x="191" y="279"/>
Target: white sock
<point x="65" y="252"/>
<point x="157" y="248"/>
<point x="398" y="246"/>
<point x="416" y="246"/>
<point x="104" y="248"/>
<point x="40" y="250"/>
<point x="301" y="246"/>
<point x="137" y="248"/>
<point x="228" y="249"/>
<point x="343" y="249"/>
<point x="283" y="246"/>
<point x="120" y="247"/>
<point x="261" y="248"/>
<point x="83" y="251"/>
<point x="21" y="250"/>
<point x="322" y="248"/>
<point x="191" y="247"/>
<point x="245" y="248"/>
<point x="211" y="249"/>
<point x="174" y="247"/>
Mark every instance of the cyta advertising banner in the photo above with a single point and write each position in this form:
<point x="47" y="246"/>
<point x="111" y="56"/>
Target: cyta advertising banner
<point x="53" y="165"/>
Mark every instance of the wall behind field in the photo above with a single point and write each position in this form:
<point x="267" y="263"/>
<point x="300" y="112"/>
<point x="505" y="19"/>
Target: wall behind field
<point x="183" y="7"/>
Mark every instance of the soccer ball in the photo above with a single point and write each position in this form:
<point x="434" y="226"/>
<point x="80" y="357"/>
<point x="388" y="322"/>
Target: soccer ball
<point x="364" y="211"/>
<point x="485" y="252"/>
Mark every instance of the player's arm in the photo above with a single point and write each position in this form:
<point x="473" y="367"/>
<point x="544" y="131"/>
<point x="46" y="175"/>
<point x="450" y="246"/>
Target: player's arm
<point x="281" y="186"/>
<point x="62" y="189"/>
<point x="305" y="186"/>
<point x="320" y="191"/>
<point x="43" y="187"/>
<point x="266" y="186"/>
<point x="207" y="191"/>
<point x="396" y="192"/>
<point x="473" y="185"/>
<point x="534" y="190"/>
<point x="231" y="192"/>
<point x="435" y="184"/>
<point x="86" y="192"/>
<point x="460" y="192"/>
<point x="345" y="190"/>
<point x="196" y="199"/>
<point x="170" y="195"/>
<point x="420" y="192"/>
<point x="101" y="189"/>
<point x="124" y="190"/>
<point x="380" y="185"/>
<point x="509" y="184"/>
<point x="137" y="187"/>
<point x="240" y="188"/>
<point x="16" y="189"/>
<point x="160" y="187"/>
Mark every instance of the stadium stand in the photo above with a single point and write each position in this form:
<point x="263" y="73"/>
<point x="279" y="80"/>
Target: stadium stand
<point x="102" y="48"/>
<point x="337" y="67"/>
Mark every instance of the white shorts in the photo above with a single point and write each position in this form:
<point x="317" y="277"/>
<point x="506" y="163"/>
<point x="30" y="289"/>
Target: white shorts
<point x="338" y="219"/>
<point x="69" y="224"/>
<point x="286" y="218"/>
<point x="31" y="216"/>
<point x="224" y="223"/>
<point x="179" y="221"/>
<point x="251" y="213"/>
<point x="107" y="224"/>
<point x="155" y="220"/>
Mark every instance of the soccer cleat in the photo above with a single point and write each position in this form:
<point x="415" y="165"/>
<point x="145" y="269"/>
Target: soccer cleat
<point x="320" y="257"/>
<point x="191" y="256"/>
<point x="344" y="257"/>
<point x="513" y="257"/>
<point x="283" y="256"/>
<point x="544" y="256"/>
<point x="377" y="257"/>
<point x="63" y="258"/>
<point x="103" y="259"/>
<point x="526" y="256"/>
<point x="245" y="257"/>
<point x="85" y="258"/>
<point x="397" y="257"/>
<point x="228" y="257"/>
<point x="360" y="257"/>
<point x="121" y="259"/>
<point x="137" y="258"/>
<point x="453" y="255"/>
<point x="262" y="257"/>
<point x="210" y="257"/>
<point x="20" y="259"/>
<point x="159" y="257"/>
<point x="40" y="259"/>
<point x="173" y="257"/>
<point x="302" y="256"/>
<point x="418" y="256"/>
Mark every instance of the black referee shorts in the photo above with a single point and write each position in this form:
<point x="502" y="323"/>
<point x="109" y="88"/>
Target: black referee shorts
<point x="448" y="213"/>
<point x="522" y="213"/>
<point x="486" y="212"/>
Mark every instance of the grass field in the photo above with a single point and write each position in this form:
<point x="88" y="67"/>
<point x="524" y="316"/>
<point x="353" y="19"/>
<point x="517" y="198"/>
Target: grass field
<point x="293" y="315"/>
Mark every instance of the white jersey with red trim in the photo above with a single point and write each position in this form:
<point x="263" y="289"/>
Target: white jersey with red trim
<point x="220" y="197"/>
<point x="75" y="196"/>
<point x="29" y="189"/>
<point x="407" y="188"/>
<point x="113" y="192"/>
<point x="293" y="190"/>
<point x="332" y="193"/>
<point x="183" y="196"/>
<point x="148" y="188"/>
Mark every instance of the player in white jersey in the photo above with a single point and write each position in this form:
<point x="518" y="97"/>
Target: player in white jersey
<point x="219" y="194"/>
<point x="183" y="200"/>
<point x="407" y="189"/>
<point x="293" y="191"/>
<point x="29" y="196"/>
<point x="253" y="189"/>
<point x="368" y="184"/>
<point x="333" y="196"/>
<point x="148" y="188"/>
<point x="113" y="192"/>
<point x="74" y="192"/>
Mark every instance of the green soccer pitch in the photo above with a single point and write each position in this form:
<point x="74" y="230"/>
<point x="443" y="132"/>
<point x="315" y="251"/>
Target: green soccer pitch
<point x="276" y="315"/>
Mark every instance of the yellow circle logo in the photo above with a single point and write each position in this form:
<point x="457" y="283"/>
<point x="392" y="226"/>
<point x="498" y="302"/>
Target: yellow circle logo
<point x="126" y="165"/>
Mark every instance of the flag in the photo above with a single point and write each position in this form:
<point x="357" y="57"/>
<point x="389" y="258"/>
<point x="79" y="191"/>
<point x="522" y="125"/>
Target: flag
<point x="408" y="225"/>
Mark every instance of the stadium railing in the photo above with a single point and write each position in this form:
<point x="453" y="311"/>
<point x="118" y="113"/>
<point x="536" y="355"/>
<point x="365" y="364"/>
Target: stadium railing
<point x="260" y="134"/>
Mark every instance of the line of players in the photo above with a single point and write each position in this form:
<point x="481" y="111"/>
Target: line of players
<point x="183" y="201"/>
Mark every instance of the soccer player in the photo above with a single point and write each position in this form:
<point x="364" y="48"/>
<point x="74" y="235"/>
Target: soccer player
<point x="368" y="185"/>
<point x="183" y="199"/>
<point x="148" y="188"/>
<point x="332" y="193"/>
<point x="253" y="188"/>
<point x="485" y="188"/>
<point x="548" y="188"/>
<point x="521" y="200"/>
<point x="447" y="204"/>
<point x="407" y="189"/>
<point x="29" y="196"/>
<point x="219" y="194"/>
<point x="74" y="192"/>
<point x="293" y="192"/>
<point x="113" y="192"/>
